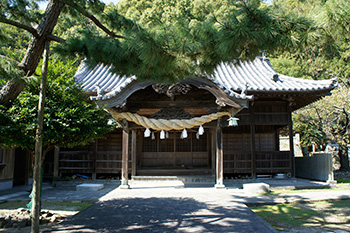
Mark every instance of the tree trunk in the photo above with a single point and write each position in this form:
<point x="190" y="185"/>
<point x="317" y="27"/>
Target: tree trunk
<point x="344" y="158"/>
<point x="11" y="90"/>
<point x="38" y="146"/>
<point x="34" y="51"/>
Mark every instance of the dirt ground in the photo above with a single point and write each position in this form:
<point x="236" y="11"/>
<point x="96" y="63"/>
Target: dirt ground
<point x="59" y="211"/>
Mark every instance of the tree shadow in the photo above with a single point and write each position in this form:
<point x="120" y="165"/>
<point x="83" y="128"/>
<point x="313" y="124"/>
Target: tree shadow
<point x="162" y="215"/>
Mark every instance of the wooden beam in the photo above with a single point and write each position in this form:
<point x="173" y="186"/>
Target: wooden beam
<point x="125" y="155"/>
<point x="291" y="141"/>
<point x="94" y="158"/>
<point x="213" y="150"/>
<point x="252" y="140"/>
<point x="136" y="105"/>
<point x="219" y="158"/>
<point x="56" y="156"/>
<point x="133" y="152"/>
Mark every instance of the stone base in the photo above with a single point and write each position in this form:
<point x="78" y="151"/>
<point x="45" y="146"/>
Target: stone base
<point x="89" y="187"/>
<point x="256" y="188"/>
<point x="124" y="186"/>
<point x="219" y="186"/>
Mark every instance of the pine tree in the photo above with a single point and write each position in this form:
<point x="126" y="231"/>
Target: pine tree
<point x="166" y="41"/>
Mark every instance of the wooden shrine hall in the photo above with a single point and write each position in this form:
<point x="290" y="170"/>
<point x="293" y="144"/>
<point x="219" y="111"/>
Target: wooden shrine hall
<point x="226" y="124"/>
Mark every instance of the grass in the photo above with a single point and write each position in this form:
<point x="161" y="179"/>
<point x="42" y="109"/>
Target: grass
<point x="325" y="215"/>
<point x="48" y="205"/>
<point x="343" y="180"/>
<point x="342" y="184"/>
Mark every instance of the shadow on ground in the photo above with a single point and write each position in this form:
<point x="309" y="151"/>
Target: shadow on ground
<point x="161" y="215"/>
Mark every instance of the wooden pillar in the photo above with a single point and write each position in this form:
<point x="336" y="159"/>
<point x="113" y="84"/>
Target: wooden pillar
<point x="213" y="150"/>
<point x="291" y="141"/>
<point x="252" y="140"/>
<point x="94" y="158"/>
<point x="56" y="160"/>
<point x="133" y="152"/>
<point x="219" y="158"/>
<point x="125" y="159"/>
<point x="277" y="140"/>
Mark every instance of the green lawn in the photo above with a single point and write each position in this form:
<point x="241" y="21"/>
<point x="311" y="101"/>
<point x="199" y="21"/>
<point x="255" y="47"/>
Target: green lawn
<point x="48" y="205"/>
<point x="342" y="184"/>
<point x="321" y="216"/>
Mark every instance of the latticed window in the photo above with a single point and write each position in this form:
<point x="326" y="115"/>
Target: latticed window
<point x="174" y="143"/>
<point x="149" y="144"/>
<point x="167" y="144"/>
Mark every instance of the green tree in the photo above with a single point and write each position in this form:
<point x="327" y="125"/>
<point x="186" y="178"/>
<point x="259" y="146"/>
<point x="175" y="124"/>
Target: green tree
<point x="327" y="121"/>
<point x="69" y="119"/>
<point x="322" y="57"/>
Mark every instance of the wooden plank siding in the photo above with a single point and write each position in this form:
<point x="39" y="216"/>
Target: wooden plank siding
<point x="265" y="113"/>
<point x="101" y="157"/>
<point x="7" y="164"/>
<point x="238" y="159"/>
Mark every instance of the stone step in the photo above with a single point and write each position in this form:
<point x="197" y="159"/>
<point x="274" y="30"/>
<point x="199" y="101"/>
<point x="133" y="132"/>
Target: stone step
<point x="89" y="187"/>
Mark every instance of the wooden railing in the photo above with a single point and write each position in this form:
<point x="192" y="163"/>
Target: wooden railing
<point x="84" y="162"/>
<point x="237" y="162"/>
<point x="266" y="162"/>
<point x="273" y="161"/>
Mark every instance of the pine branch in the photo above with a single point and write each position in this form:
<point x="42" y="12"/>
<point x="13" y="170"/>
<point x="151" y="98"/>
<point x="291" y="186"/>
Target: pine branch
<point x="19" y="25"/>
<point x="244" y="4"/>
<point x="84" y="12"/>
<point x="56" y="38"/>
<point x="9" y="59"/>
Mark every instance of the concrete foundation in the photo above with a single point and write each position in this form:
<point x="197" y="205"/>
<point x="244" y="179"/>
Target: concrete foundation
<point x="89" y="187"/>
<point x="6" y="184"/>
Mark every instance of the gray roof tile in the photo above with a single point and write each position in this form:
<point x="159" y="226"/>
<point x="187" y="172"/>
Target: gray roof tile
<point x="254" y="76"/>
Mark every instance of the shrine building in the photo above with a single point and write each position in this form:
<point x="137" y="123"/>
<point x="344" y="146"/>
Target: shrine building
<point x="222" y="125"/>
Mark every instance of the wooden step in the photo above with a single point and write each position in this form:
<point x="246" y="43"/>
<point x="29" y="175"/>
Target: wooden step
<point x="194" y="179"/>
<point x="173" y="172"/>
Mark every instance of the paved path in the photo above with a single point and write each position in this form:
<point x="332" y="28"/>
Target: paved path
<point x="166" y="210"/>
<point x="170" y="209"/>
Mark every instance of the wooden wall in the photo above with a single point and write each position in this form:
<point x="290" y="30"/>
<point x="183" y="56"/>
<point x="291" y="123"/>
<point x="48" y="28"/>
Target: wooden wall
<point x="104" y="156"/>
<point x="264" y="119"/>
<point x="7" y="164"/>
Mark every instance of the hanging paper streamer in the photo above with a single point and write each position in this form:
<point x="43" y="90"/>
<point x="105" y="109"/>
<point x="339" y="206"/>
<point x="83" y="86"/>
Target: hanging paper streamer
<point x="200" y="130"/>
<point x="153" y="137"/>
<point x="197" y="135"/>
<point x="183" y="134"/>
<point x="167" y="134"/>
<point x="162" y="134"/>
<point x="233" y="121"/>
<point x="147" y="133"/>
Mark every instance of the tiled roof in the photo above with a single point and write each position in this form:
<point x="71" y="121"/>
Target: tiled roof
<point x="233" y="78"/>
<point x="259" y="76"/>
<point x="101" y="76"/>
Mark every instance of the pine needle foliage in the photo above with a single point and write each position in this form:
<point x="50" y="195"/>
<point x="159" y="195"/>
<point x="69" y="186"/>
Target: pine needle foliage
<point x="169" y="40"/>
